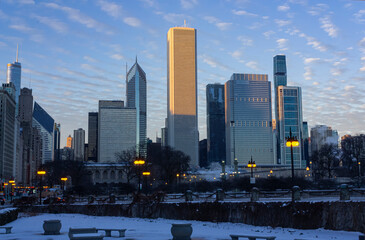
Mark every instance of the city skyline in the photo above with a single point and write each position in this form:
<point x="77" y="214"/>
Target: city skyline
<point x="74" y="54"/>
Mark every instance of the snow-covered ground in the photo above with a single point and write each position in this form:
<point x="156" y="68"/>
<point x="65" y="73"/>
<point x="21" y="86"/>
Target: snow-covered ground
<point x="30" y="227"/>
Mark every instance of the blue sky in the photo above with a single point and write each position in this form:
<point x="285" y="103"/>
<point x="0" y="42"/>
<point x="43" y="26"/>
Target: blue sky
<point x="73" y="53"/>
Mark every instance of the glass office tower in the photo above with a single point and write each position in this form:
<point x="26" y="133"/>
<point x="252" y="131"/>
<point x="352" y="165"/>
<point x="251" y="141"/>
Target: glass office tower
<point x="216" y="132"/>
<point x="290" y="118"/>
<point x="248" y="119"/>
<point x="13" y="75"/>
<point x="137" y="98"/>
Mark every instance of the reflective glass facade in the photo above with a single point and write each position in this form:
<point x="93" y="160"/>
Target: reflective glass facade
<point x="45" y="125"/>
<point x="248" y="119"/>
<point x="216" y="132"/>
<point x="290" y="118"/>
<point x="13" y="75"/>
<point x="137" y="98"/>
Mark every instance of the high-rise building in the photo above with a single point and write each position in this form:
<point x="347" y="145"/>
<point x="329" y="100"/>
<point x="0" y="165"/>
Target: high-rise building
<point x="216" y="128"/>
<point x="57" y="141"/>
<point x="7" y="134"/>
<point x="116" y="130"/>
<point x="69" y="142"/>
<point x="45" y="125"/>
<point x="79" y="144"/>
<point x="248" y="119"/>
<point x="137" y="98"/>
<point x="13" y="75"/>
<point x="305" y="143"/>
<point x="321" y="135"/>
<point x="93" y="136"/>
<point x="182" y="111"/>
<point x="290" y="118"/>
<point x="280" y="79"/>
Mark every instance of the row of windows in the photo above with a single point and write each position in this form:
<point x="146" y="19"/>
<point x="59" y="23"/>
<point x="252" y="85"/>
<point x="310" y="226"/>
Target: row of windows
<point x="290" y="114"/>
<point x="291" y="121"/>
<point x="290" y="92"/>
<point x="251" y="99"/>
<point x="290" y="99"/>
<point x="251" y="124"/>
<point x="255" y="150"/>
<point x="290" y="107"/>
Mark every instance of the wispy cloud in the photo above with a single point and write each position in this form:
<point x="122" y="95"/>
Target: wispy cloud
<point x="111" y="8"/>
<point x="282" y="44"/>
<point x="214" y="62"/>
<point x="268" y="34"/>
<point x="318" y="9"/>
<point x="283" y="8"/>
<point x="218" y="23"/>
<point x="244" y="13"/>
<point x="175" y="18"/>
<point x="34" y="35"/>
<point x="329" y="27"/>
<point x="253" y="65"/>
<point x="311" y="60"/>
<point x="359" y="16"/>
<point x="187" y="4"/>
<point x="76" y="16"/>
<point x="55" y="24"/>
<point x="117" y="56"/>
<point x="246" y="41"/>
<point x="131" y="21"/>
<point x="282" y="23"/>
<point x="90" y="59"/>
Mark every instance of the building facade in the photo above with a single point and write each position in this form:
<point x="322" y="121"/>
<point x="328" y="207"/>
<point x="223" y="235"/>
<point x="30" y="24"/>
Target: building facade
<point x="79" y="144"/>
<point x="45" y="125"/>
<point x="321" y="135"/>
<point x="7" y="134"/>
<point x="290" y="118"/>
<point x="57" y="141"/>
<point x="216" y="128"/>
<point x="13" y="75"/>
<point x="182" y="111"/>
<point x="116" y="130"/>
<point x="136" y="92"/>
<point x="93" y="136"/>
<point x="248" y="119"/>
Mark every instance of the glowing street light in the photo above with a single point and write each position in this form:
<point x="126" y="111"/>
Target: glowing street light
<point x="40" y="173"/>
<point x="291" y="142"/>
<point x="139" y="163"/>
<point x="251" y="164"/>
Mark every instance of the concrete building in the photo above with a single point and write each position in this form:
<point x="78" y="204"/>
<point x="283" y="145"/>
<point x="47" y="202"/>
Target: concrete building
<point x="79" y="144"/>
<point x="216" y="128"/>
<point x="57" y="141"/>
<point x="248" y="120"/>
<point x="116" y="130"/>
<point x="45" y="125"/>
<point x="137" y="98"/>
<point x="321" y="135"/>
<point x="93" y="137"/>
<point x="7" y="134"/>
<point x="182" y="107"/>
<point x="69" y="142"/>
<point x="290" y="118"/>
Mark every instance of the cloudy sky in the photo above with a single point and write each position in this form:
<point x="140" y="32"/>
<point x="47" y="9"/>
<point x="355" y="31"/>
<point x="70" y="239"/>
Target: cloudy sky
<point x="74" y="53"/>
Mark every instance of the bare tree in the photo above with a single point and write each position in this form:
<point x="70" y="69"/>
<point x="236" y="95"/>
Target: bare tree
<point x="127" y="157"/>
<point x="325" y="161"/>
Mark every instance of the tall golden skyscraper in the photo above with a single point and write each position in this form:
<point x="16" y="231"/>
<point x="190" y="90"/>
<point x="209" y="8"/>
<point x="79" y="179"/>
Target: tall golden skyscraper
<point x="69" y="141"/>
<point x="182" y="92"/>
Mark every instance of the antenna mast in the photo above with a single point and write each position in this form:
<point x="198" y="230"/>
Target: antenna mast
<point x="17" y="52"/>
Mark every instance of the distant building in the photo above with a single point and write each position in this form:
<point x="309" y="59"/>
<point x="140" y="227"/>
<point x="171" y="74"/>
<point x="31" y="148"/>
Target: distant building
<point x="216" y="129"/>
<point x="203" y="158"/>
<point x="93" y="137"/>
<point x="45" y="124"/>
<point x="290" y="118"/>
<point x="137" y="98"/>
<point x="248" y="119"/>
<point x="182" y="109"/>
<point x="69" y="142"/>
<point x="305" y="143"/>
<point x="116" y="129"/>
<point x="321" y="135"/>
<point x="164" y="136"/>
<point x="13" y="75"/>
<point x="7" y="134"/>
<point x="57" y="141"/>
<point x="79" y="144"/>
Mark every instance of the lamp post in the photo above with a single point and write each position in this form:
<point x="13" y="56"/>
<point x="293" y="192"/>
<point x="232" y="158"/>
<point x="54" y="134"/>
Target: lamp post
<point x="139" y="163"/>
<point x="11" y="183"/>
<point x="40" y="173"/>
<point x="63" y="182"/>
<point x="291" y="142"/>
<point x="251" y="164"/>
<point x="146" y="175"/>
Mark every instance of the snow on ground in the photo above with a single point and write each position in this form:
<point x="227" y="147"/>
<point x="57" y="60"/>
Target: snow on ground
<point x="30" y="227"/>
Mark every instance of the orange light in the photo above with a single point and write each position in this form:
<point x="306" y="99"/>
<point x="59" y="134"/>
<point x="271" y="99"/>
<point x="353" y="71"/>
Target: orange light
<point x="359" y="163"/>
<point x="307" y="168"/>
<point x="292" y="143"/>
<point x="177" y="175"/>
<point x="5" y="184"/>
<point x="146" y="173"/>
<point x="11" y="181"/>
<point x="41" y="172"/>
<point x="271" y="171"/>
<point x="139" y="162"/>
<point x="64" y="179"/>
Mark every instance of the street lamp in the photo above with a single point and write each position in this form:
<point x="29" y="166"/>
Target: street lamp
<point x="139" y="163"/>
<point x="291" y="142"/>
<point x="63" y="181"/>
<point x="40" y="173"/>
<point x="146" y="175"/>
<point x="251" y="164"/>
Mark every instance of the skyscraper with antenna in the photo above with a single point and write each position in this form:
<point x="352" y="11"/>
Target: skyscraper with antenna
<point x="13" y="75"/>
